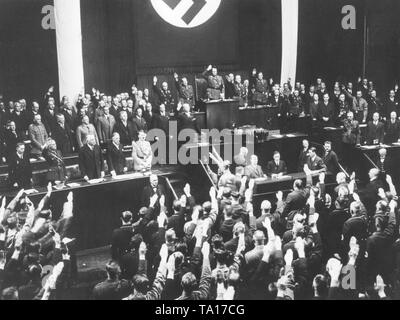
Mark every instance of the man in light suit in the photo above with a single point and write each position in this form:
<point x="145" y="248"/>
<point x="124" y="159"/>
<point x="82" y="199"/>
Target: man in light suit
<point x="91" y="162"/>
<point x="253" y="170"/>
<point x="105" y="126"/>
<point x="38" y="136"/>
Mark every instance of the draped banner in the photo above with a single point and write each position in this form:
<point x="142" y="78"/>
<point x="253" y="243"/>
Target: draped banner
<point x="69" y="47"/>
<point x="290" y="23"/>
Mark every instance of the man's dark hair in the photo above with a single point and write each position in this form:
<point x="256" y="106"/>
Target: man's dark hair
<point x="328" y="142"/>
<point x="298" y="184"/>
<point x="176" y="206"/>
<point x="140" y="283"/>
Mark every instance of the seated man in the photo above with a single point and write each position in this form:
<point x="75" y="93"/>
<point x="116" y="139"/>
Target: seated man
<point x="253" y="170"/>
<point x="276" y="168"/>
<point x="116" y="160"/>
<point x="314" y="163"/>
<point x="216" y="86"/>
<point x="241" y="158"/>
<point x="19" y="168"/>
<point x="91" y="162"/>
<point x="375" y="131"/>
<point x="142" y="153"/>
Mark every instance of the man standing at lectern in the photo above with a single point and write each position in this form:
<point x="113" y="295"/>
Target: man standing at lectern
<point x="91" y="162"/>
<point x="216" y="87"/>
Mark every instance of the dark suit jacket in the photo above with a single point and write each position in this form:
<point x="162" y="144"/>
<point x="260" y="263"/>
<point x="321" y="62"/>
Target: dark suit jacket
<point x="331" y="161"/>
<point x="139" y="125"/>
<point x="272" y="168"/>
<point x="148" y="192"/>
<point x="91" y="162"/>
<point x="115" y="158"/>
<point x="120" y="241"/>
<point x="150" y="119"/>
<point x="386" y="165"/>
<point x="49" y="121"/>
<point x="19" y="171"/>
<point x="64" y="138"/>
<point x="72" y="119"/>
<point x="187" y="122"/>
<point x="392" y="131"/>
<point x="126" y="133"/>
<point x="375" y="132"/>
<point x="11" y="140"/>
<point x="295" y="200"/>
<point x="162" y="123"/>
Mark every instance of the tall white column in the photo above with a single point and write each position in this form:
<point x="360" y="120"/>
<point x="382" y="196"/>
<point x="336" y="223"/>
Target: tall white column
<point x="290" y="26"/>
<point x="69" y="48"/>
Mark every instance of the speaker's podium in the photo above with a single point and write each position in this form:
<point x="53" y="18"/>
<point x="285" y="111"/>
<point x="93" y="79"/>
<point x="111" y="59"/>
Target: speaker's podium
<point x="222" y="114"/>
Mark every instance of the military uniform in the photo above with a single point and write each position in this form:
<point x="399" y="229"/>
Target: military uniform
<point x="165" y="97"/>
<point x="216" y="87"/>
<point x="185" y="93"/>
<point x="261" y="91"/>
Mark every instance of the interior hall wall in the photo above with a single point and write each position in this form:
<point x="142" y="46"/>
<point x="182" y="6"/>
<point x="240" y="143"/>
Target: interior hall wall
<point x="28" y="53"/>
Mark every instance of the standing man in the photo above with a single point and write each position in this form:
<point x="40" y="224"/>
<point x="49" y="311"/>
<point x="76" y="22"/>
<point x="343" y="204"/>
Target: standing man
<point x="125" y="129"/>
<point x="351" y="138"/>
<point x="19" y="168"/>
<point x="38" y="136"/>
<point x="375" y="131"/>
<point x="105" y="126"/>
<point x="359" y="105"/>
<point x="63" y="136"/>
<point x="116" y="160"/>
<point x="330" y="158"/>
<point x="164" y="96"/>
<point x="392" y="129"/>
<point x="325" y="112"/>
<point x="150" y="190"/>
<point x="185" y="90"/>
<point x="216" y="86"/>
<point x="91" y="162"/>
<point x="314" y="163"/>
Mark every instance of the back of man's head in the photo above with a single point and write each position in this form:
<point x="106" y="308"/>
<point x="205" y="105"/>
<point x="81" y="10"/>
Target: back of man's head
<point x="140" y="283"/>
<point x="189" y="282"/>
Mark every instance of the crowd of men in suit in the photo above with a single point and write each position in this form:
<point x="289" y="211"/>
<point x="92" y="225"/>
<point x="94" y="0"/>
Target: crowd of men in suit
<point x="97" y="115"/>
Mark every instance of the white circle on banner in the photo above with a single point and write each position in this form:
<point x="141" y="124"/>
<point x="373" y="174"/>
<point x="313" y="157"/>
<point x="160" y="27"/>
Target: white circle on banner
<point x="186" y="13"/>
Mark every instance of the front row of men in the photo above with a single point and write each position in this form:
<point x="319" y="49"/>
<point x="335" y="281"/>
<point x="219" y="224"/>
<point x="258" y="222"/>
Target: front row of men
<point x="91" y="161"/>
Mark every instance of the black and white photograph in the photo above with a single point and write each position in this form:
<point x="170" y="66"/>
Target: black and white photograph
<point x="222" y="151"/>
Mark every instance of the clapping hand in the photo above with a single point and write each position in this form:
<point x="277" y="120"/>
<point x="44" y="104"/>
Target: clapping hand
<point x="279" y="196"/>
